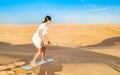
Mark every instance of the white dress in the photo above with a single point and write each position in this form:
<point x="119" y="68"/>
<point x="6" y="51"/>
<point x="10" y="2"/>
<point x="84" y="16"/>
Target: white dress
<point x="36" y="39"/>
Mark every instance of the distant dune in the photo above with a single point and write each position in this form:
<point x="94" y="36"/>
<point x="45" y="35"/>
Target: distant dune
<point x="64" y="35"/>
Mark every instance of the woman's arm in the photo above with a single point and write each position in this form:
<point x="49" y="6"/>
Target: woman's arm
<point x="47" y="39"/>
<point x="40" y="34"/>
<point x="41" y="38"/>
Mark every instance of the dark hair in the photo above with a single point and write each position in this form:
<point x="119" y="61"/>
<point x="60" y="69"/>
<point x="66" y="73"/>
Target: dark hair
<point x="47" y="18"/>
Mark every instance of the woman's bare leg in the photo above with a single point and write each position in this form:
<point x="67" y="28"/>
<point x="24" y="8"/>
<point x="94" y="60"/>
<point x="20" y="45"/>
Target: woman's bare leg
<point x="43" y="54"/>
<point x="36" y="55"/>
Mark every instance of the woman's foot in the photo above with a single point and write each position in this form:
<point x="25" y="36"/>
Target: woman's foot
<point x="33" y="63"/>
<point x="42" y="60"/>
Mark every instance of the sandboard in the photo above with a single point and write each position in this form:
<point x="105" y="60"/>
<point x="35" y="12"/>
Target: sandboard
<point x="29" y="66"/>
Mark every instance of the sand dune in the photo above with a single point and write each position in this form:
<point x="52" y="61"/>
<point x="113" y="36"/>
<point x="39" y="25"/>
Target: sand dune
<point x="65" y="35"/>
<point x="78" y="49"/>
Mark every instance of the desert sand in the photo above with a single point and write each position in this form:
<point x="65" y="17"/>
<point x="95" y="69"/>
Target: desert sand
<point x="77" y="49"/>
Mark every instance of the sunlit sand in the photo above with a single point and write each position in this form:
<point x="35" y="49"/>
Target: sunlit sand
<point x="79" y="49"/>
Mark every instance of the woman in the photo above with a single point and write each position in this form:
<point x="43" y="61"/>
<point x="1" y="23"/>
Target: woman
<point x="37" y="40"/>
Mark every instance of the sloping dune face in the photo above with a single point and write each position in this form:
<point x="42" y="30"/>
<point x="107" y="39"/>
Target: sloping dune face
<point x="83" y="35"/>
<point x="62" y="35"/>
<point x="17" y="34"/>
<point x="102" y="44"/>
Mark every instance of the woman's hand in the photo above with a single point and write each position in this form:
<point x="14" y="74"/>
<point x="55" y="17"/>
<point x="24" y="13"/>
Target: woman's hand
<point x="48" y="42"/>
<point x="42" y="44"/>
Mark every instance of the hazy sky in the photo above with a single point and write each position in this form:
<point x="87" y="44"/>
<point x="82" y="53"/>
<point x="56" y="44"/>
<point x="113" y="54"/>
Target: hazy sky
<point x="61" y="11"/>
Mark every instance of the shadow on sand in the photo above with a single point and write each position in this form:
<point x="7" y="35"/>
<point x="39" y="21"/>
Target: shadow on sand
<point x="61" y="55"/>
<point x="107" y="42"/>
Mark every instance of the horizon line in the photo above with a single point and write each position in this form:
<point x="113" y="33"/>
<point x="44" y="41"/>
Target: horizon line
<point x="68" y="24"/>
